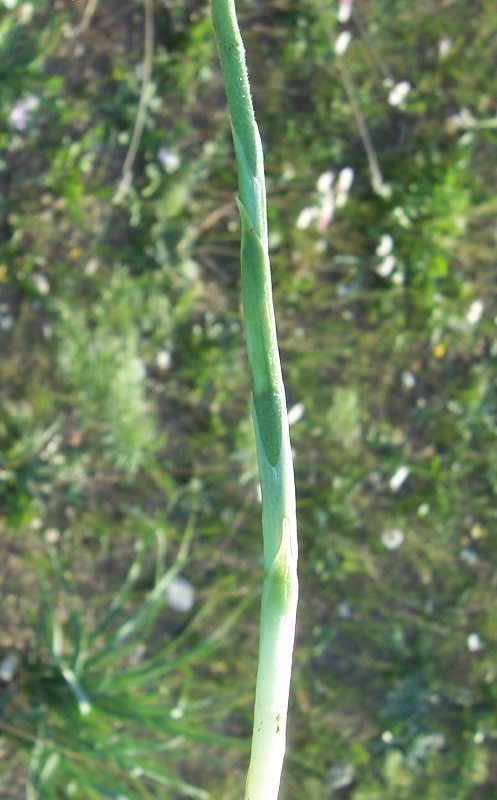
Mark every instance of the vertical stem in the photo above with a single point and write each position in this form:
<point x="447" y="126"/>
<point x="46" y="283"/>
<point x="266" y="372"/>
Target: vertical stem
<point x="279" y="597"/>
<point x="148" y="47"/>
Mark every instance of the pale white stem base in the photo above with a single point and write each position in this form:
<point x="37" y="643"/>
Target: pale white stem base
<point x="278" y="613"/>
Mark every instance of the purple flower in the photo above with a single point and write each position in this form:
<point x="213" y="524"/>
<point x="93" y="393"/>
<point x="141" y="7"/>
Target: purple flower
<point x="21" y="112"/>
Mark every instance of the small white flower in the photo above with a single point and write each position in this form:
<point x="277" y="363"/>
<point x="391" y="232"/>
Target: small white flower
<point x="51" y="535"/>
<point x="398" y="93"/>
<point x="8" y="667"/>
<point x="306" y="216"/>
<point x="344" y="182"/>
<point x="326" y="212"/>
<point x="41" y="283"/>
<point x="20" y="113"/>
<point x="325" y="182"/>
<point x="401" y="217"/>
<point x="344" y="10"/>
<point x="344" y="611"/>
<point x="289" y="172"/>
<point x="169" y="160"/>
<point x="6" y="321"/>
<point x="91" y="266"/>
<point x="463" y="120"/>
<point x="433" y="741"/>
<point x="26" y="11"/>
<point x="296" y="413"/>
<point x="345" y="179"/>
<point x="341" y="775"/>
<point x="387" y="737"/>
<point x="474" y="643"/>
<point x="329" y="200"/>
<point x="469" y="556"/>
<point x="393" y="539"/>
<point x="385" y="246"/>
<point x="475" y="311"/>
<point x="408" y="380"/>
<point x="387" y="266"/>
<point x="398" y="478"/>
<point x="444" y="47"/>
<point x="164" y="360"/>
<point x="342" y="43"/>
<point x="180" y="594"/>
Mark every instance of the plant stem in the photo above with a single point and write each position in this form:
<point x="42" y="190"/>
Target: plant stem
<point x="279" y="597"/>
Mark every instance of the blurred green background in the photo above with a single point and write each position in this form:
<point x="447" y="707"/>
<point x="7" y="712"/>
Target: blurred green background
<point x="130" y="544"/>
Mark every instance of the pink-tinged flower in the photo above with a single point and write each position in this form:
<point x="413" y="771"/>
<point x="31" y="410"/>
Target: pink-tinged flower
<point x="324" y="186"/>
<point x="331" y="196"/>
<point x="326" y="211"/>
<point x="344" y="10"/>
<point x="25" y="13"/>
<point x="21" y="112"/>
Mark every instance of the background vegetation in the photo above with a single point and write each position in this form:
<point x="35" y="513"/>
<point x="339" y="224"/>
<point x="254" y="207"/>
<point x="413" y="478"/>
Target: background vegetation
<point x="131" y="554"/>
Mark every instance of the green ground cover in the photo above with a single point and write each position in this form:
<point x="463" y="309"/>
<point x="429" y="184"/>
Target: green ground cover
<point x="129" y="511"/>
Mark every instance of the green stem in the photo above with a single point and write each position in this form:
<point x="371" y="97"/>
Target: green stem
<point x="279" y="598"/>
